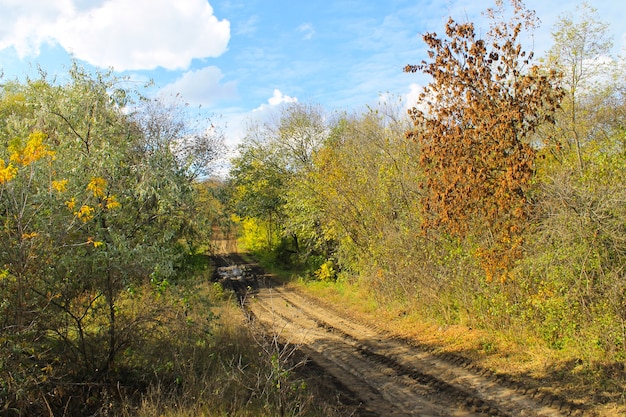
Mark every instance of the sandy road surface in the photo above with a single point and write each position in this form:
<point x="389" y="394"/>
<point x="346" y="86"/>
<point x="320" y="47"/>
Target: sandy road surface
<point x="386" y="376"/>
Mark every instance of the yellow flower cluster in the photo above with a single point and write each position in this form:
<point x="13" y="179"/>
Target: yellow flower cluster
<point x="59" y="185"/>
<point x="95" y="243"/>
<point x="33" y="151"/>
<point x="112" y="203"/>
<point x="71" y="203"/>
<point x="97" y="186"/>
<point x="85" y="213"/>
<point x="7" y="172"/>
<point x="25" y="155"/>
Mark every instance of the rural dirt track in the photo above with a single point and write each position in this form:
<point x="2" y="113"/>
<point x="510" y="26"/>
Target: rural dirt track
<point x="382" y="375"/>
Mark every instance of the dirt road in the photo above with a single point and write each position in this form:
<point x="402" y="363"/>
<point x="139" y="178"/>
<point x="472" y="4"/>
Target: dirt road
<point x="386" y="376"/>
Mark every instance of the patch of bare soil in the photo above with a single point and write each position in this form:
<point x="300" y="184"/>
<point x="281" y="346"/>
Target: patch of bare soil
<point x="376" y="374"/>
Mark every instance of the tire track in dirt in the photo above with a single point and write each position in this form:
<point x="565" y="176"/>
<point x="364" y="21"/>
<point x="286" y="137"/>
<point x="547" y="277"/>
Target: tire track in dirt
<point x="388" y="376"/>
<point x="379" y="387"/>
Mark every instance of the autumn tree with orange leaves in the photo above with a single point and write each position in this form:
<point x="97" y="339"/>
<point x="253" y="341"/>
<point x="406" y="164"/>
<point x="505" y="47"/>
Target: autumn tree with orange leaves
<point x="474" y="124"/>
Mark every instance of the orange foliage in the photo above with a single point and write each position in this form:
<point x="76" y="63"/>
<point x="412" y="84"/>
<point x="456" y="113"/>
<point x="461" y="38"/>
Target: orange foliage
<point x="474" y="127"/>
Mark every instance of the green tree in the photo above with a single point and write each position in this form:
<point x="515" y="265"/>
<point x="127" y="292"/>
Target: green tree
<point x="258" y="190"/>
<point x="574" y="270"/>
<point x="272" y="160"/>
<point x="365" y="189"/>
<point x="92" y="207"/>
<point x="581" y="54"/>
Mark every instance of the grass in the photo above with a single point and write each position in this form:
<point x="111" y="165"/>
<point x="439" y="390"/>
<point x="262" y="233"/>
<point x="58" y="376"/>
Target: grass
<point x="189" y="351"/>
<point x="232" y="371"/>
<point x="571" y="372"/>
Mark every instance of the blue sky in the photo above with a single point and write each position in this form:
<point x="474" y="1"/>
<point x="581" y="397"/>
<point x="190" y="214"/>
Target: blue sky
<point x="238" y="58"/>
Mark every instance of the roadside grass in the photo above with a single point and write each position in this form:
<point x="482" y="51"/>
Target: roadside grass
<point x="573" y="373"/>
<point x="188" y="351"/>
<point x="212" y="363"/>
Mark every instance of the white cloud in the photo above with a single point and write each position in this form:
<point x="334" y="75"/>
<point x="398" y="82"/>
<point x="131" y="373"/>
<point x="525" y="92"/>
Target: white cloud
<point x="126" y="35"/>
<point x="237" y="121"/>
<point x="279" y="98"/>
<point x="410" y="99"/>
<point x="307" y="30"/>
<point x="235" y="127"/>
<point x="276" y="99"/>
<point x="202" y="87"/>
<point x="26" y="25"/>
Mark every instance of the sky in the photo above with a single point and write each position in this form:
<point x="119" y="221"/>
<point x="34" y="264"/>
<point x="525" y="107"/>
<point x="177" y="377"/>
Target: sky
<point x="239" y="59"/>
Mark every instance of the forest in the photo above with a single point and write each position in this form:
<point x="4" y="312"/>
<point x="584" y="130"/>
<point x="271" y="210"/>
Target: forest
<point x="496" y="202"/>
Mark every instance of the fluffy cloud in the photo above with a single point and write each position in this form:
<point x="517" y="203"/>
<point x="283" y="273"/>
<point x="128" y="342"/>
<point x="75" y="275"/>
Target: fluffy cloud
<point x="237" y="121"/>
<point x="279" y="98"/>
<point x="202" y="86"/>
<point x="276" y="99"/>
<point x="126" y="35"/>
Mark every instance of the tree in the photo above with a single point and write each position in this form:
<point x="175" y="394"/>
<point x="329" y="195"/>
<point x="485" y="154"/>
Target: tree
<point x="581" y="53"/>
<point x="90" y="209"/>
<point x="474" y="124"/>
<point x="258" y="189"/>
<point x="272" y="160"/>
<point x="364" y="189"/>
<point x="196" y="143"/>
<point x="576" y="254"/>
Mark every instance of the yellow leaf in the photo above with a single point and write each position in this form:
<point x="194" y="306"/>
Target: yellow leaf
<point x="95" y="243"/>
<point x="34" y="150"/>
<point x="112" y="202"/>
<point x="29" y="235"/>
